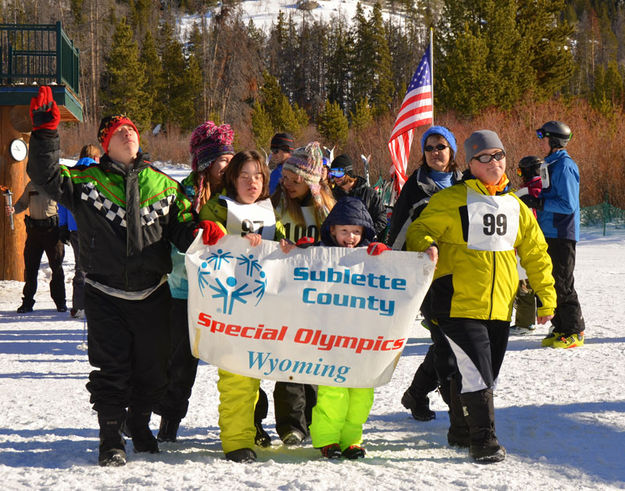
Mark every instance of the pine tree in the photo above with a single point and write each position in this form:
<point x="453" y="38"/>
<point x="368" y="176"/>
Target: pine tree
<point x="338" y="72"/>
<point x="463" y="82"/>
<point x="382" y="76"/>
<point x="283" y="115"/>
<point x="272" y="98"/>
<point x="154" y="76"/>
<point x="123" y="87"/>
<point x="333" y="124"/>
<point x="360" y="59"/>
<point x="520" y="44"/>
<point x="191" y="98"/>
<point x="181" y="83"/>
<point x="608" y="90"/>
<point x="546" y="44"/>
<point x="277" y="37"/>
<point x="362" y="116"/>
<point x="261" y="126"/>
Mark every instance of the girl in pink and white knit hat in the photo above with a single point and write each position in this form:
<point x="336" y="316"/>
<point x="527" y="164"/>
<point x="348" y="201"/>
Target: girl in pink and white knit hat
<point x="211" y="151"/>
<point x="301" y="200"/>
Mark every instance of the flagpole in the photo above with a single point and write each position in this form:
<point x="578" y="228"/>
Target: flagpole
<point x="432" y="67"/>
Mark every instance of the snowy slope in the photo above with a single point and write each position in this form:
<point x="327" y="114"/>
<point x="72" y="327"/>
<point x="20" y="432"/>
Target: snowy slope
<point x="264" y="13"/>
<point x="560" y="413"/>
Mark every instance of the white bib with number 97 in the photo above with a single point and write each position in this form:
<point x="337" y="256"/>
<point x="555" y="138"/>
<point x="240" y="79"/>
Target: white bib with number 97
<point x="493" y="222"/>
<point x="256" y="218"/>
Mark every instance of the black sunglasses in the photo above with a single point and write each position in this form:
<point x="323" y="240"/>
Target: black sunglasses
<point x="485" y="158"/>
<point x="440" y="147"/>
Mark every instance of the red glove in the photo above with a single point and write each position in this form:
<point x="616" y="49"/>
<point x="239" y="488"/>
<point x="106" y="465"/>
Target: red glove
<point x="44" y="112"/>
<point x="305" y="242"/>
<point x="377" y="248"/>
<point x="211" y="232"/>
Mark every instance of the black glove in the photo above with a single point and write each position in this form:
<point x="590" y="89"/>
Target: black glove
<point x="64" y="234"/>
<point x="531" y="202"/>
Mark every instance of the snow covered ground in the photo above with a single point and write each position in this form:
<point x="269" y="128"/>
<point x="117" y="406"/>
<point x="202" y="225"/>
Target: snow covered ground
<point x="560" y="413"/>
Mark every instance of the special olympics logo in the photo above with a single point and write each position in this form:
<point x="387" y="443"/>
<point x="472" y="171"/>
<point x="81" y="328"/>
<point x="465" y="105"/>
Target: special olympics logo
<point x="231" y="281"/>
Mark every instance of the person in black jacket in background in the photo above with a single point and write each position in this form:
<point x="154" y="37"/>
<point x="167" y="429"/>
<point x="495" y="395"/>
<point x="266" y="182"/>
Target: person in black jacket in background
<point x="345" y="183"/>
<point x="437" y="171"/>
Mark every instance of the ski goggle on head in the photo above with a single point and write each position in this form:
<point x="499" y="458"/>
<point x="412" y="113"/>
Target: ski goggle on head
<point x="338" y="173"/>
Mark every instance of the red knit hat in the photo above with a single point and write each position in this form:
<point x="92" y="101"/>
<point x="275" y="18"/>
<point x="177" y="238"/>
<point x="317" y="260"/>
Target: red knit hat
<point x="108" y="125"/>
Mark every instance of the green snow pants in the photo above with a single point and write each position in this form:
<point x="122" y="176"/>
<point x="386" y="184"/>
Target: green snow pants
<point x="237" y="400"/>
<point x="339" y="415"/>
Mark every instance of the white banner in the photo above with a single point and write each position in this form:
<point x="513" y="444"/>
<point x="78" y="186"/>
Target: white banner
<point x="321" y="315"/>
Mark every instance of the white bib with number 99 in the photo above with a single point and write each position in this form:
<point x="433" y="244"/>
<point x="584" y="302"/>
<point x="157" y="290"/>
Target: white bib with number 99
<point x="493" y="222"/>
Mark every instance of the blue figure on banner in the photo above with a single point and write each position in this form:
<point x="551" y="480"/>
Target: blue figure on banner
<point x="229" y="297"/>
<point x="202" y="277"/>
<point x="218" y="257"/>
<point x="250" y="263"/>
<point x="262" y="286"/>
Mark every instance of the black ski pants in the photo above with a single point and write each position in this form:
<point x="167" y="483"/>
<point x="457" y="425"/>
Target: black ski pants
<point x="182" y="366"/>
<point x="38" y="240"/>
<point x="293" y="405"/>
<point x="478" y="348"/>
<point x="129" y="347"/>
<point x="425" y="379"/>
<point x="568" y="317"/>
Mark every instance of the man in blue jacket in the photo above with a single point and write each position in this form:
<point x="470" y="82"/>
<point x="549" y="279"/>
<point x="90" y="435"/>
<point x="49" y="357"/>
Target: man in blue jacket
<point x="557" y="209"/>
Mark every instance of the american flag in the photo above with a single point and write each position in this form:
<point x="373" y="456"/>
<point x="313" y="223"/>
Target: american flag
<point x="415" y="111"/>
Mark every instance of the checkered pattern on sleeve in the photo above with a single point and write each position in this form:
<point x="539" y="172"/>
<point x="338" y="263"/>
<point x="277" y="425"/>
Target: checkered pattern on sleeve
<point x="151" y="213"/>
<point x="105" y="206"/>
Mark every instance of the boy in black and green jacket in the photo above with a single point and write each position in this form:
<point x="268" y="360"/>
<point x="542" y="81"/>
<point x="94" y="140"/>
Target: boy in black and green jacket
<point x="127" y="213"/>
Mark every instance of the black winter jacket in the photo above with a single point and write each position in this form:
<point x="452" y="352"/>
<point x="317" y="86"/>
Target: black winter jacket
<point x="348" y="211"/>
<point x="414" y="197"/>
<point x="370" y="198"/>
<point x="126" y="217"/>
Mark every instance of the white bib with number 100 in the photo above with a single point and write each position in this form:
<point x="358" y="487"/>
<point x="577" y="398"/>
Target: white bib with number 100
<point x="493" y="221"/>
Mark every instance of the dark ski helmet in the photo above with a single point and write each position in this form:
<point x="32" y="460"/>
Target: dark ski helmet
<point x="530" y="161"/>
<point x="528" y="166"/>
<point x="558" y="133"/>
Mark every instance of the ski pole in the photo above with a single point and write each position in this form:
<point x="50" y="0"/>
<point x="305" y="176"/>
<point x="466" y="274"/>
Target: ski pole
<point x="8" y="196"/>
<point x="365" y="161"/>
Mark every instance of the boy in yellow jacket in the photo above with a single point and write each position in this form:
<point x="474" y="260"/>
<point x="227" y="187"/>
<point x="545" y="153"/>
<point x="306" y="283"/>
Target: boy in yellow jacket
<point x="472" y="229"/>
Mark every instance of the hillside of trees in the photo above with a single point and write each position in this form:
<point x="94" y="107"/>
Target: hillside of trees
<point x="507" y="65"/>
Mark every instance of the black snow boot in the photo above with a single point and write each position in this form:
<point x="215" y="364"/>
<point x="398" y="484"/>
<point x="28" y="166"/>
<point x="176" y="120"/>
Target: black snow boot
<point x="139" y="425"/>
<point x="424" y="381"/>
<point x="243" y="455"/>
<point x="419" y="406"/>
<point x="458" y="434"/>
<point x="27" y="306"/>
<point x="480" y="414"/>
<point x="112" y="445"/>
<point x="262" y="438"/>
<point x="168" y="431"/>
